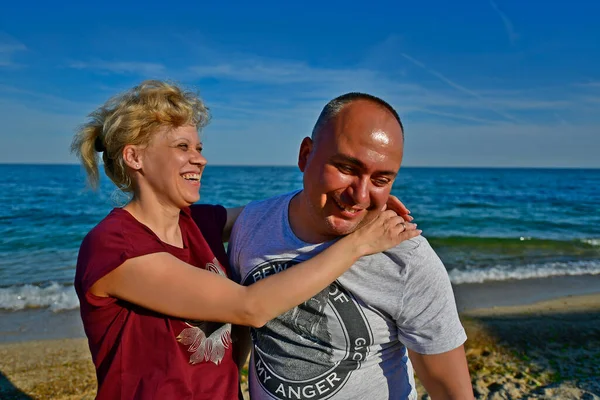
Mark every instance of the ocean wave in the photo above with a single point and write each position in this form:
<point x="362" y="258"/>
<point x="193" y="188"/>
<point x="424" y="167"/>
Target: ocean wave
<point x="515" y="240"/>
<point x="527" y="271"/>
<point x="592" y="242"/>
<point x="56" y="297"/>
<point x="523" y="245"/>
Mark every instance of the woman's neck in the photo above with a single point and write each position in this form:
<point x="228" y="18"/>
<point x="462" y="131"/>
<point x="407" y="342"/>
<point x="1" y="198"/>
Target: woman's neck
<point x="162" y="220"/>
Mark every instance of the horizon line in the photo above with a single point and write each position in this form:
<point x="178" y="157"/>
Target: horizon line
<point x="295" y="166"/>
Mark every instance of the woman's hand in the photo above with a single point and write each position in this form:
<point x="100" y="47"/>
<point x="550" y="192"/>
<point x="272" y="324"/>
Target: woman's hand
<point x="384" y="232"/>
<point x="396" y="205"/>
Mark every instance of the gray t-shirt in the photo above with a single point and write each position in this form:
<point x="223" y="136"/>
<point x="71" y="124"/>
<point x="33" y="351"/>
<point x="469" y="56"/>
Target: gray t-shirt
<point x="347" y="342"/>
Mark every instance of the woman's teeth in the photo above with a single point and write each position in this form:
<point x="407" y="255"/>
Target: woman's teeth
<point x="191" y="177"/>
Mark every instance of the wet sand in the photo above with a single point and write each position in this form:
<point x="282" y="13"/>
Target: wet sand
<point x="546" y="350"/>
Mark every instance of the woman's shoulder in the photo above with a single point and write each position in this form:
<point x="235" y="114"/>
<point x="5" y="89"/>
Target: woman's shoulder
<point x="105" y="247"/>
<point x="117" y="221"/>
<point x="119" y="230"/>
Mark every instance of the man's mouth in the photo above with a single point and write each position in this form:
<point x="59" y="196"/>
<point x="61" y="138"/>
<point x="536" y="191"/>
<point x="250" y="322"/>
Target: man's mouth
<point x="347" y="209"/>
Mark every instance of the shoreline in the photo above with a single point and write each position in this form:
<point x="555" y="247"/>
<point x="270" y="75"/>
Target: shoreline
<point x="543" y="344"/>
<point x="43" y="324"/>
<point x="522" y="292"/>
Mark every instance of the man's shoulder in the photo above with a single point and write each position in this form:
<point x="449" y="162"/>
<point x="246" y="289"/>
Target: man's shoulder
<point x="410" y="247"/>
<point x="259" y="215"/>
<point x="257" y="209"/>
<point x="413" y="252"/>
<point x="400" y="256"/>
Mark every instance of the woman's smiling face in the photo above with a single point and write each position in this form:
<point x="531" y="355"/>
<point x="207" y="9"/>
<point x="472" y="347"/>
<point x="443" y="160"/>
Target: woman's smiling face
<point x="172" y="165"/>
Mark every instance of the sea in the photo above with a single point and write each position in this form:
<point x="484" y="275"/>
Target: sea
<point x="487" y="224"/>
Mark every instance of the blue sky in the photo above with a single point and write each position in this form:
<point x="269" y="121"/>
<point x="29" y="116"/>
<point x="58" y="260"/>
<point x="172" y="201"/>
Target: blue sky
<point x="477" y="83"/>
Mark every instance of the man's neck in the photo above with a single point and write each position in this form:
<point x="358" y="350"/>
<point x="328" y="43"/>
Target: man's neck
<point x="301" y="220"/>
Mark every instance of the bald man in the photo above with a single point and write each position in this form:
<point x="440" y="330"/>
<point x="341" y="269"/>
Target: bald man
<point x="361" y="337"/>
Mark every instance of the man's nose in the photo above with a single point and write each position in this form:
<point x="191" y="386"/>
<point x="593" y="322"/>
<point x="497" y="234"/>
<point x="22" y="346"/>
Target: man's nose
<point x="360" y="191"/>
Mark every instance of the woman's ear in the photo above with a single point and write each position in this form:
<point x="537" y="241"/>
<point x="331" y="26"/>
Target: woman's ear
<point x="132" y="157"/>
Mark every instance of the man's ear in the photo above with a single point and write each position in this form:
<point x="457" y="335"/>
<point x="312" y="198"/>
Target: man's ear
<point x="304" y="154"/>
<point x="132" y="156"/>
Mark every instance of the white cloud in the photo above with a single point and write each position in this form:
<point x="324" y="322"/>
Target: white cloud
<point x="121" y="67"/>
<point x="277" y="72"/>
<point x="507" y="145"/>
<point x="290" y="90"/>
<point x="590" y="84"/>
<point x="510" y="30"/>
<point x="276" y="101"/>
<point x="8" y="47"/>
<point x="460" y="88"/>
<point x="33" y="135"/>
<point x="41" y="100"/>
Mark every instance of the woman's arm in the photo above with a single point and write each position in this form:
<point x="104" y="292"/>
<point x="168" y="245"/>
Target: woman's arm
<point x="393" y="204"/>
<point x="165" y="284"/>
<point x="232" y="215"/>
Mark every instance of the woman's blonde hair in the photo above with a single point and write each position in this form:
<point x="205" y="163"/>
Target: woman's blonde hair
<point x="132" y="118"/>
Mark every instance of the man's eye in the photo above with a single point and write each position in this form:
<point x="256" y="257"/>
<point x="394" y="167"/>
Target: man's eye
<point x="345" y="169"/>
<point x="381" y="182"/>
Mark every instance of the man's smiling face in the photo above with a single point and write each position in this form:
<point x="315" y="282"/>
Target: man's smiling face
<point x="349" y="168"/>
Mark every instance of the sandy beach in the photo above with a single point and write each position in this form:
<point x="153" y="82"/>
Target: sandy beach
<point x="548" y="349"/>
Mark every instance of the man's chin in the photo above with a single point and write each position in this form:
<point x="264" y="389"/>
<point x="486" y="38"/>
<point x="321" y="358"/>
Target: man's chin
<point x="343" y="228"/>
<point x="348" y="227"/>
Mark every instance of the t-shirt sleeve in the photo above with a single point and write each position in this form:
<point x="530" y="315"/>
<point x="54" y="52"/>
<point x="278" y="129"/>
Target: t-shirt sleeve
<point x="211" y="220"/>
<point x="241" y="235"/>
<point x="428" y="322"/>
<point x="108" y="246"/>
<point x="235" y="243"/>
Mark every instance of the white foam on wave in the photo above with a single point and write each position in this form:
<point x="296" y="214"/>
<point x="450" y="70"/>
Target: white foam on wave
<point x="54" y="296"/>
<point x="528" y="271"/>
<point x="593" y="242"/>
<point x="57" y="297"/>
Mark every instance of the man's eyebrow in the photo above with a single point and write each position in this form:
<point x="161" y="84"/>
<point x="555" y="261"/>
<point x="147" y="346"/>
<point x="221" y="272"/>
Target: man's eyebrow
<point x="357" y="163"/>
<point x="348" y="159"/>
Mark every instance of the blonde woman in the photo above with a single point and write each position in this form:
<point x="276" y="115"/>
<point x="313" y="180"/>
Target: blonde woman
<point x="152" y="277"/>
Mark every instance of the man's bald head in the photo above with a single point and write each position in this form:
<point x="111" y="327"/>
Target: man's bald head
<point x="333" y="108"/>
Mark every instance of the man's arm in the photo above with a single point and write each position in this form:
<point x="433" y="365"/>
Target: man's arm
<point x="444" y="375"/>
<point x="430" y="327"/>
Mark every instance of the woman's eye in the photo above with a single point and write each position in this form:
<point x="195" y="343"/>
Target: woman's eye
<point x="183" y="146"/>
<point x="199" y="149"/>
